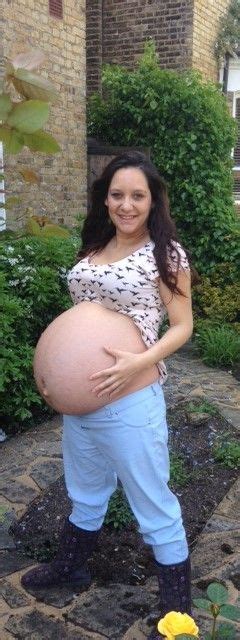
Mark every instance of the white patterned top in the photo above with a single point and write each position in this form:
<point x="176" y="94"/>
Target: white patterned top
<point x="129" y="286"/>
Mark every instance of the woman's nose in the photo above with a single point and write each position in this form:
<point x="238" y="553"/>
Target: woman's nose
<point x="126" y="204"/>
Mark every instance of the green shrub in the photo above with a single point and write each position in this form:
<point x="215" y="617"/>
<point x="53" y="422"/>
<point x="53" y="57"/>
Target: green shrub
<point x="202" y="407"/>
<point x="217" y="296"/>
<point x="179" y="475"/>
<point x="187" y="126"/>
<point x="228" y="453"/>
<point x="119" y="514"/>
<point x="217" y="303"/>
<point x="33" y="292"/>
<point x="218" y="345"/>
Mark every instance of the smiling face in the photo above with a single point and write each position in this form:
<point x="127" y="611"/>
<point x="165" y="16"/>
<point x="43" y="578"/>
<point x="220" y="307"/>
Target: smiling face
<point x="129" y="202"/>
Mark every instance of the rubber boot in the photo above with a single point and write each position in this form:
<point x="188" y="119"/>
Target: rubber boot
<point x="70" y="564"/>
<point x="174" y="589"/>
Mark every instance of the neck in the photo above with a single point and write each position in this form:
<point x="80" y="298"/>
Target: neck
<point x="121" y="240"/>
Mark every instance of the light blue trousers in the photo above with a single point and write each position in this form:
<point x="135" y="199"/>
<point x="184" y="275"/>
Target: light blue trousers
<point x="126" y="439"/>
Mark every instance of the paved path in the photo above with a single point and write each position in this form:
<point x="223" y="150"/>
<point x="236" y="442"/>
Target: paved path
<point x="31" y="461"/>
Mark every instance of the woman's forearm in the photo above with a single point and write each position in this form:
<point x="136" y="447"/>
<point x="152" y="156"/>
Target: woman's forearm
<point x="170" y="342"/>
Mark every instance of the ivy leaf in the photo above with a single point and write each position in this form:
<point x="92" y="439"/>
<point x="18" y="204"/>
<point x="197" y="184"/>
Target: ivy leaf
<point x="5" y="106"/>
<point x="33" y="228"/>
<point x="202" y="603"/>
<point x="12" y="201"/>
<point x="53" y="230"/>
<point x="29" y="176"/>
<point x="28" y="116"/>
<point x="12" y="139"/>
<point x="153" y="104"/>
<point x="230" y="611"/>
<point x="32" y="86"/>
<point x="30" y="60"/>
<point x="226" y="631"/>
<point x="217" y="593"/>
<point x="41" y="141"/>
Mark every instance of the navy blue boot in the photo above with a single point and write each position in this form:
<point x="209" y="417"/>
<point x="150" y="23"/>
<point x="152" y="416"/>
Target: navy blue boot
<point x="70" y="564"/>
<point x="174" y="589"/>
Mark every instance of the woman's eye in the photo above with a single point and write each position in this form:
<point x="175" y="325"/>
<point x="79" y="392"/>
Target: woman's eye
<point x="116" y="195"/>
<point x="138" y="196"/>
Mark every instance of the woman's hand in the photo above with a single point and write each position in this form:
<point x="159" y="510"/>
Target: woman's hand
<point x="115" y="378"/>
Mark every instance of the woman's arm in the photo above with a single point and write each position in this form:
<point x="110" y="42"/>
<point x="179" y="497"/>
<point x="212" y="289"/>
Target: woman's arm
<point x="127" y="364"/>
<point x="179" y="309"/>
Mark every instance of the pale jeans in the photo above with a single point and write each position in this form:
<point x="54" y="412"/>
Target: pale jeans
<point x="126" y="439"/>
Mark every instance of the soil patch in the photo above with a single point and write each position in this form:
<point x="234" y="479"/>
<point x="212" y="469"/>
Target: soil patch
<point x="200" y="484"/>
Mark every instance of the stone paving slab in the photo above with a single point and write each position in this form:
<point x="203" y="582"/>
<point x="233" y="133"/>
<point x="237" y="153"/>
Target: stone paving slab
<point x="8" y="517"/>
<point x="13" y="596"/>
<point x="36" y="626"/>
<point x="44" y="473"/>
<point x="18" y="492"/>
<point x="111" y="611"/>
<point x="12" y="561"/>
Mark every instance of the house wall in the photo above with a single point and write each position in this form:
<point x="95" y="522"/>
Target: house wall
<point x="184" y="32"/>
<point x="62" y="192"/>
<point x="118" y="30"/>
<point x="206" y="23"/>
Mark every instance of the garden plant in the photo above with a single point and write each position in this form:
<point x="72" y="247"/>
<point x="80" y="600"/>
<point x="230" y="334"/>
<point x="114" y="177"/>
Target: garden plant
<point x="181" y="626"/>
<point x="32" y="272"/>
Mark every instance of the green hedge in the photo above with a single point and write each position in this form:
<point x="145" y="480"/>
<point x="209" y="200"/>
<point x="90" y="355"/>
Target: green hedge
<point x="33" y="291"/>
<point x="187" y="126"/>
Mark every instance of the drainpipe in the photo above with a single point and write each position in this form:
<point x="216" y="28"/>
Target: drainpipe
<point x="226" y="72"/>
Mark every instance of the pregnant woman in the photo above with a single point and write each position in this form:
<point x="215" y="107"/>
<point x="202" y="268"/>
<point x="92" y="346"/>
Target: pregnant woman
<point x="131" y="273"/>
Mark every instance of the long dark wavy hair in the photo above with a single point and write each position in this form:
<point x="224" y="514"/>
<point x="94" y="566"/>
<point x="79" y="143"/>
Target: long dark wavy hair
<point x="98" y="230"/>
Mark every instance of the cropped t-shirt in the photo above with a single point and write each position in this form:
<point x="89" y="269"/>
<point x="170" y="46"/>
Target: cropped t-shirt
<point x="129" y="286"/>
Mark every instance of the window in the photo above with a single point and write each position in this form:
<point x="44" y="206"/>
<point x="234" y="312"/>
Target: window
<point x="56" y="8"/>
<point x="236" y="152"/>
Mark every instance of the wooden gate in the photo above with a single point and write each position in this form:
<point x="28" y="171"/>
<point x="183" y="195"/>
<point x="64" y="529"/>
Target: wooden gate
<point x="99" y="155"/>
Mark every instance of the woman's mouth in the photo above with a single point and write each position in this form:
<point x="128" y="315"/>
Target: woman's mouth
<point x="127" y="218"/>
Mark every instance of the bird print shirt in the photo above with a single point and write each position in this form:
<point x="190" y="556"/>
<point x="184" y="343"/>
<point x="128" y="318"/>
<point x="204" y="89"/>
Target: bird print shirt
<point x="129" y="286"/>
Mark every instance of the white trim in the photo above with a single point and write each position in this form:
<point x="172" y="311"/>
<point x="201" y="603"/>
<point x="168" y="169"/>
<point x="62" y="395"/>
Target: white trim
<point x="233" y="75"/>
<point x="236" y="97"/>
<point x="2" y="195"/>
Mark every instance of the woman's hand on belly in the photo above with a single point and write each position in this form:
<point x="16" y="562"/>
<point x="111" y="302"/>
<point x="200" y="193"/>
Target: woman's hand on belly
<point x="115" y="378"/>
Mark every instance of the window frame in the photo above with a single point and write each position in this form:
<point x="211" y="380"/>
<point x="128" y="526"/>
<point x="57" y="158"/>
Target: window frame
<point x="236" y="167"/>
<point x="53" y="10"/>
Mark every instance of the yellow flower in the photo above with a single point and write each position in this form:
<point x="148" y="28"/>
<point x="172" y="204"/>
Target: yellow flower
<point x="175" y="623"/>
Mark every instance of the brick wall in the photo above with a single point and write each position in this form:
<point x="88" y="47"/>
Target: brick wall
<point x="184" y="32"/>
<point x="94" y="43"/>
<point x="119" y="30"/>
<point x="62" y="192"/>
<point x="206" y="23"/>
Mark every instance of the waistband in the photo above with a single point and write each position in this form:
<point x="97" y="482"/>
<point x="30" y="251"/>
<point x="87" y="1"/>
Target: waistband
<point x="129" y="400"/>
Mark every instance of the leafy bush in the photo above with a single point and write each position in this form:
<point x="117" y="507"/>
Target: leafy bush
<point x="228" y="453"/>
<point x="218" y="345"/>
<point x="119" y="514"/>
<point x="187" y="126"/>
<point x="179" y="475"/>
<point x="202" y="407"/>
<point x="33" y="292"/>
<point x="217" y="297"/>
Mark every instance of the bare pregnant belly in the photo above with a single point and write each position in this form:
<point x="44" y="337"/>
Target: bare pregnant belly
<point x="71" y="349"/>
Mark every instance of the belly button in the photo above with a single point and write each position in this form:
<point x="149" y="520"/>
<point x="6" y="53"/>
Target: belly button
<point x="44" y="390"/>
